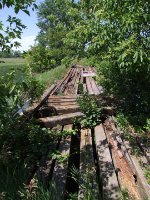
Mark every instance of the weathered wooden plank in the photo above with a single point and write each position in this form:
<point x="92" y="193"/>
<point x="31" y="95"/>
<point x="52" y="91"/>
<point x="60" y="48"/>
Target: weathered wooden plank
<point x="88" y="74"/>
<point x="88" y="85"/>
<point x="107" y="172"/>
<point x="143" y="186"/>
<point x="67" y="109"/>
<point x="60" y="87"/>
<point x="62" y="104"/>
<point x="54" y="97"/>
<point x="87" y="168"/>
<point x="60" y="169"/>
<point x="125" y="171"/>
<point x="61" y="100"/>
<point x="77" y="82"/>
<point x="70" y="89"/>
<point x="60" y="119"/>
<point x="94" y="86"/>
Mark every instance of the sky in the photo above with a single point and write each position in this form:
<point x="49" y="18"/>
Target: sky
<point x="29" y="34"/>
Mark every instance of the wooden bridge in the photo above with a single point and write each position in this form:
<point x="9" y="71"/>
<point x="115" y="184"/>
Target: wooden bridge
<point x="98" y="153"/>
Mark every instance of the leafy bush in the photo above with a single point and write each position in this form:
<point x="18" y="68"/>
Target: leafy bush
<point x="15" y="87"/>
<point x="91" y="110"/>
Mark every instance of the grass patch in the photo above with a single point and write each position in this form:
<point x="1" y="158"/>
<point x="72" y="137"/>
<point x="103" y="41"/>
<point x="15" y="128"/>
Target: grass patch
<point x="12" y="178"/>
<point x="8" y="63"/>
<point x="49" y="77"/>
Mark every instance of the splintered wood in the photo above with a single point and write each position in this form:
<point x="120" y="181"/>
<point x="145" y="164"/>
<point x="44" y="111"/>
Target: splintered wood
<point x="87" y="168"/>
<point x="61" y="165"/>
<point x="107" y="171"/>
<point x="126" y="172"/>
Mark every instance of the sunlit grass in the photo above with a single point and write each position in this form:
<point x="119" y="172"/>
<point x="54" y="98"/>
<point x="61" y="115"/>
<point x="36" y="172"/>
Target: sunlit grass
<point x="8" y="63"/>
<point x="49" y="77"/>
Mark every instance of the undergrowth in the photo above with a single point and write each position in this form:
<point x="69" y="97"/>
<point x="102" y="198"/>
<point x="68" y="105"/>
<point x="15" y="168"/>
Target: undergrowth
<point x="49" y="77"/>
<point x="91" y="109"/>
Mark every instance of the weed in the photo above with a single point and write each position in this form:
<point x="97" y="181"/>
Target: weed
<point x="49" y="77"/>
<point x="35" y="191"/>
<point x="147" y="174"/>
<point x="86" y="185"/>
<point x="126" y="195"/>
<point x="61" y="159"/>
<point x="91" y="110"/>
<point x="80" y="88"/>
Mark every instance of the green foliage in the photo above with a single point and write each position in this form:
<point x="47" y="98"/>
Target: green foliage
<point x="16" y="87"/>
<point x="24" y="147"/>
<point x="35" y="191"/>
<point x="39" y="59"/>
<point x="80" y="88"/>
<point x="116" y="33"/>
<point x="86" y="183"/>
<point x="122" y="122"/>
<point x="126" y="195"/>
<point x="54" y="21"/>
<point x="147" y="174"/>
<point x="126" y="129"/>
<point x="91" y="110"/>
<point x="15" y="27"/>
<point x="12" y="177"/>
<point x="11" y="63"/>
<point x="147" y="126"/>
<point x="51" y="76"/>
<point x="10" y="54"/>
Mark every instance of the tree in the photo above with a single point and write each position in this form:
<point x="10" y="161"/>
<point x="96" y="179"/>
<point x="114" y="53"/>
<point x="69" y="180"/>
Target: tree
<point x="15" y="27"/>
<point x="117" y="34"/>
<point x="55" y="19"/>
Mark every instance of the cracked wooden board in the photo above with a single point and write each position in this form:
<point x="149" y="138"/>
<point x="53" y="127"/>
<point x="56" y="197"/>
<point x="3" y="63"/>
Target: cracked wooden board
<point x="107" y="172"/>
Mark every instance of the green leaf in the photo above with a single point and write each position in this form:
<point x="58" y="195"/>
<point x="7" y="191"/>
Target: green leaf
<point x="27" y="12"/>
<point x="135" y="57"/>
<point x="12" y="89"/>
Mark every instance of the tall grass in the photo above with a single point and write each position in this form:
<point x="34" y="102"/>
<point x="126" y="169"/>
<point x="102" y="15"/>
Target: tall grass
<point x="9" y="63"/>
<point x="12" y="185"/>
<point x="49" y="77"/>
<point x="12" y="176"/>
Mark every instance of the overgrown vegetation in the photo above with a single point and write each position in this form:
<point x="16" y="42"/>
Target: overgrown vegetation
<point x="49" y="77"/>
<point x="11" y="63"/>
<point x="14" y="26"/>
<point x="92" y="111"/>
<point x="113" y="36"/>
<point x="54" y="20"/>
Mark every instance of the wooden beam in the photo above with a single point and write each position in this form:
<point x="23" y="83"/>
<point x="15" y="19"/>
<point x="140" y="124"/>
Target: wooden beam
<point x="60" y="169"/>
<point x="107" y="172"/>
<point x="87" y="167"/>
<point x="88" y="85"/>
<point x="94" y="86"/>
<point x="60" y="119"/>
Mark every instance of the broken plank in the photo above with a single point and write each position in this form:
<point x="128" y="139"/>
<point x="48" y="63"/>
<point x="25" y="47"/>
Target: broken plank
<point x="87" y="166"/>
<point x="61" y="85"/>
<point x="60" y="169"/>
<point x="88" y="85"/>
<point x="94" y="86"/>
<point x="107" y="172"/>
